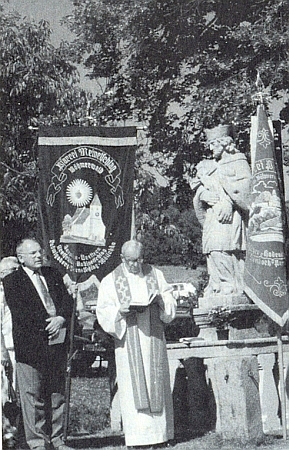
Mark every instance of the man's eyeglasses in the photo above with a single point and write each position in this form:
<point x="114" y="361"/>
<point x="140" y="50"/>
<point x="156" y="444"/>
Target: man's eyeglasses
<point x="35" y="253"/>
<point x="133" y="261"/>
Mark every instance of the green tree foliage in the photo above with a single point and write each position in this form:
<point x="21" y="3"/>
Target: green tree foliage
<point x="35" y="83"/>
<point x="171" y="236"/>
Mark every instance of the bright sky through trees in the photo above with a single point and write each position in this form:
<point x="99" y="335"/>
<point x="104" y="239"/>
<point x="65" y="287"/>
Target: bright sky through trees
<point x="52" y="11"/>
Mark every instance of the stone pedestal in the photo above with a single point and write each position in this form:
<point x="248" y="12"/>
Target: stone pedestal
<point x="235" y="386"/>
<point x="286" y="382"/>
<point x="268" y="393"/>
<point x="243" y="376"/>
<point x="212" y="301"/>
<point x="242" y="370"/>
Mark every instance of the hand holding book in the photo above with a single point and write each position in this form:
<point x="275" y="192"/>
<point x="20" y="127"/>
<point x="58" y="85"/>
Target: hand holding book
<point x="154" y="298"/>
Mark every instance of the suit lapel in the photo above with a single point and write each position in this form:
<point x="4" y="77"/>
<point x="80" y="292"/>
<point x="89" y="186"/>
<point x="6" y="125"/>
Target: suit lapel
<point x="30" y="290"/>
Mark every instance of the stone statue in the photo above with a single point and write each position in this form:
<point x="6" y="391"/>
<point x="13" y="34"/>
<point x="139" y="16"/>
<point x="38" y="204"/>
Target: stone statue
<point x="221" y="204"/>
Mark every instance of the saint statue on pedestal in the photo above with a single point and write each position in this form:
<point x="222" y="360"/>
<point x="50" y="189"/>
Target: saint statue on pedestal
<point x="221" y="204"/>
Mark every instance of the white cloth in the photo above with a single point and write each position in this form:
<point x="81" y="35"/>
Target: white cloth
<point x="6" y="335"/>
<point x="140" y="427"/>
<point x="6" y="321"/>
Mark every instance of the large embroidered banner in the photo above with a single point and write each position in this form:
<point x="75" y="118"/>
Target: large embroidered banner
<point x="86" y="197"/>
<point x="265" y="265"/>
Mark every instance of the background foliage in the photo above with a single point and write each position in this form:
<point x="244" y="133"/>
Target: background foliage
<point x="35" y="83"/>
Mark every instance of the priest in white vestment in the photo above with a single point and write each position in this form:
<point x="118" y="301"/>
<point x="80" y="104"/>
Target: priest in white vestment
<point x="134" y="303"/>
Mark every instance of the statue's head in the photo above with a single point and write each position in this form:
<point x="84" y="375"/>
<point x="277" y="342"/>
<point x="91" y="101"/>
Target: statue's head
<point x="220" y="140"/>
<point x="218" y="132"/>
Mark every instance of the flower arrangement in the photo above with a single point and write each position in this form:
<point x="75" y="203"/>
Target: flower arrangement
<point x="220" y="317"/>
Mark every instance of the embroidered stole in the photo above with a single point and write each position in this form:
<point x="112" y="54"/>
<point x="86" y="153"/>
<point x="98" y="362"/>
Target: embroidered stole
<point x="143" y="399"/>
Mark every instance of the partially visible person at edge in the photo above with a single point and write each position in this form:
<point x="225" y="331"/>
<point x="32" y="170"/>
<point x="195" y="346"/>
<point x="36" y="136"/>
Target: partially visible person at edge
<point x="41" y="310"/>
<point x="134" y="302"/>
<point x="7" y="266"/>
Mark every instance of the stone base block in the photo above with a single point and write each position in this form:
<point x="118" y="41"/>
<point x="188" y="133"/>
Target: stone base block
<point x="235" y="387"/>
<point x="212" y="301"/>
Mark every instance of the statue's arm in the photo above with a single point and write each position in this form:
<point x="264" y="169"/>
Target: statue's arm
<point x="238" y="187"/>
<point x="208" y="196"/>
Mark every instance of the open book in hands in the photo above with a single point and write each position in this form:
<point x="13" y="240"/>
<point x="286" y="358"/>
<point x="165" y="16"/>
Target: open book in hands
<point x="140" y="302"/>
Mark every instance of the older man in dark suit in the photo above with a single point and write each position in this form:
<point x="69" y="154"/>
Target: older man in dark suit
<point x="41" y="310"/>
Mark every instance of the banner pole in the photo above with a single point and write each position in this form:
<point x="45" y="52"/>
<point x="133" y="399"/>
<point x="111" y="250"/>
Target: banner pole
<point x="68" y="369"/>
<point x="132" y="230"/>
<point x="282" y="384"/>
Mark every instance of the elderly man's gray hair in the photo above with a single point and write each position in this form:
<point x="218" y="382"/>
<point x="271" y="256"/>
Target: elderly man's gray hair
<point x="132" y="245"/>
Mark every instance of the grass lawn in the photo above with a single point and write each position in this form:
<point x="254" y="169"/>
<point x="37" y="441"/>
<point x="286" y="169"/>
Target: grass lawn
<point x="89" y="423"/>
<point x="89" y="405"/>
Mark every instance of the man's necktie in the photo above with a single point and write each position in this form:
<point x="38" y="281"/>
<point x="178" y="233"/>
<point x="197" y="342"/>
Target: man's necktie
<point x="49" y="305"/>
